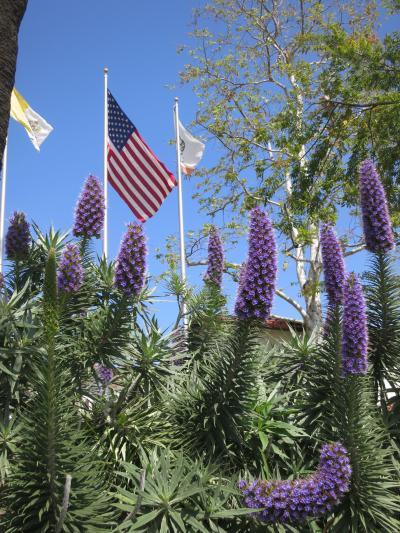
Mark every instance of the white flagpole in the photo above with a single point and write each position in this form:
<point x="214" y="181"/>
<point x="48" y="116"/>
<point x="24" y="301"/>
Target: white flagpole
<point x="180" y="207"/>
<point x="105" y="181"/>
<point x="3" y="206"/>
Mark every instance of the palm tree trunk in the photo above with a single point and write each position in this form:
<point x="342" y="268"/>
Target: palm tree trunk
<point x="11" y="13"/>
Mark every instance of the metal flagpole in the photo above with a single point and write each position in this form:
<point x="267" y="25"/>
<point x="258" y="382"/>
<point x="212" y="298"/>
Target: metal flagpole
<point x="3" y="205"/>
<point x="180" y="207"/>
<point x="105" y="181"/>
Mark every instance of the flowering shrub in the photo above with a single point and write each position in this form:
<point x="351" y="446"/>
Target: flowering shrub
<point x="70" y="272"/>
<point x="257" y="284"/>
<point x="333" y="264"/>
<point x="299" y="499"/>
<point x="131" y="262"/>
<point x="89" y="213"/>
<point x="104" y="373"/>
<point x="215" y="267"/>
<point x="375" y="213"/>
<point x="355" y="332"/>
<point x="18" y="238"/>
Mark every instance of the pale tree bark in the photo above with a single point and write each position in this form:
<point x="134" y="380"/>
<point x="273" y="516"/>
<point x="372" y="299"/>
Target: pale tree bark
<point x="309" y="282"/>
<point x="11" y="13"/>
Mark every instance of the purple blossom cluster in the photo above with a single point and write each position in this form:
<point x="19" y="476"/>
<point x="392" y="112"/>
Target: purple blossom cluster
<point x="257" y="285"/>
<point x="377" y="225"/>
<point x="131" y="262"/>
<point x="104" y="373"/>
<point x="215" y="267"/>
<point x="355" y="329"/>
<point x="242" y="276"/>
<point x="333" y="265"/>
<point x="296" y="500"/>
<point x="89" y="212"/>
<point x="18" y="238"/>
<point x="70" y="271"/>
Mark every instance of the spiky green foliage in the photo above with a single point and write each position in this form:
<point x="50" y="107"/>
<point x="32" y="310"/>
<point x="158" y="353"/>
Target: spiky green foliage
<point x="52" y="449"/>
<point x="30" y="273"/>
<point x="174" y="493"/>
<point x="206" y="311"/>
<point x="215" y="392"/>
<point x="382" y="292"/>
<point x="342" y="408"/>
<point x="9" y="439"/>
<point x="130" y="419"/>
<point x="123" y="430"/>
<point x="96" y="321"/>
<point x="151" y="360"/>
<point x="17" y="333"/>
<point x="212" y="410"/>
<point x="276" y="438"/>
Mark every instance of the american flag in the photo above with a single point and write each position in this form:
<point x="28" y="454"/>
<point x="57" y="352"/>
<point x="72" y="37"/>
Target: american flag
<point x="141" y="180"/>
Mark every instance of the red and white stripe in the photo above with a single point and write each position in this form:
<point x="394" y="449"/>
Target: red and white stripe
<point x="141" y="180"/>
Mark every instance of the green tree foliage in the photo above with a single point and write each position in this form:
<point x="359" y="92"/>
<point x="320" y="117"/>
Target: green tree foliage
<point x="267" y="76"/>
<point x="362" y="102"/>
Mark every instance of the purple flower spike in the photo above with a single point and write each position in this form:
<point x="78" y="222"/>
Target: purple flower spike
<point x="333" y="264"/>
<point x="131" y="261"/>
<point x="215" y="267"/>
<point x="296" y="500"/>
<point x="89" y="212"/>
<point x="355" y="332"/>
<point x="70" y="272"/>
<point x="257" y="283"/>
<point x="375" y="213"/>
<point x="18" y="238"/>
<point x="103" y="373"/>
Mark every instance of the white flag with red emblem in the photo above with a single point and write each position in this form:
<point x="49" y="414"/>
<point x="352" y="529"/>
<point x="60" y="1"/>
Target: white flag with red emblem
<point x="191" y="150"/>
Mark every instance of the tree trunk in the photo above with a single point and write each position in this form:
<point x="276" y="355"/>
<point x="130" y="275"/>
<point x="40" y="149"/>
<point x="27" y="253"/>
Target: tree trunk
<point x="11" y="13"/>
<point x="313" y="298"/>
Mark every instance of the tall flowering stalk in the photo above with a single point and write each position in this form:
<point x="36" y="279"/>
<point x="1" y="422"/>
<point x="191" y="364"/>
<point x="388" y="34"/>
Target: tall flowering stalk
<point x="89" y="213"/>
<point x="257" y="286"/>
<point x="375" y="213"/>
<point x="104" y="373"/>
<point x="18" y="238"/>
<point x="333" y="265"/>
<point x="334" y="273"/>
<point x="355" y="331"/>
<point x="299" y="499"/>
<point x="215" y="267"/>
<point x="70" y="272"/>
<point x="131" y="262"/>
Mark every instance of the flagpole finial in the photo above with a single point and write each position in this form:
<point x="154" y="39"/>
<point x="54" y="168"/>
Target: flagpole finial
<point x="176" y="99"/>
<point x="105" y="70"/>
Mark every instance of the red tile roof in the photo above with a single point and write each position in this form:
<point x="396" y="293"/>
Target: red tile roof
<point x="279" y="323"/>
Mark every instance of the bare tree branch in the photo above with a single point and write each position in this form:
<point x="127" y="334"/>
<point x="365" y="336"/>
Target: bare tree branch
<point x="292" y="302"/>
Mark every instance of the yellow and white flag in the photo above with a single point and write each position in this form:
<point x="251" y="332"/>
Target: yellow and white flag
<point x="36" y="127"/>
<point x="191" y="150"/>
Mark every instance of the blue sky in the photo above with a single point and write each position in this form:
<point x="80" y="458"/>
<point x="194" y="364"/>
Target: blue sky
<point x="63" y="48"/>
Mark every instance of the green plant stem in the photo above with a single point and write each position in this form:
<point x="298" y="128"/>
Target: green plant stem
<point x="50" y="322"/>
<point x="382" y="340"/>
